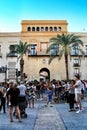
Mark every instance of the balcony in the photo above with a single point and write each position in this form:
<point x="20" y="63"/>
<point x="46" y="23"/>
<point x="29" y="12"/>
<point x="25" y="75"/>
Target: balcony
<point x="38" y="53"/>
<point x="76" y="65"/>
<point x="11" y="54"/>
<point x="76" y="53"/>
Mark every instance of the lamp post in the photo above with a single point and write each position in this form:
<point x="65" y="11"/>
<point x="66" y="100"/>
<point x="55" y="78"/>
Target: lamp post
<point x="5" y="70"/>
<point x="17" y="75"/>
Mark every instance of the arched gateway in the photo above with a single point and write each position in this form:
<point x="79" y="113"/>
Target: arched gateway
<point x="44" y="74"/>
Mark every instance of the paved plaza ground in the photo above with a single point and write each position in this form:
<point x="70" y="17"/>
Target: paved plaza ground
<point x="43" y="117"/>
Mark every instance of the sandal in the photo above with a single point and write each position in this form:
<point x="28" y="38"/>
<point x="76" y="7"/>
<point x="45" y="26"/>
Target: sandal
<point x="20" y="121"/>
<point x="11" y="120"/>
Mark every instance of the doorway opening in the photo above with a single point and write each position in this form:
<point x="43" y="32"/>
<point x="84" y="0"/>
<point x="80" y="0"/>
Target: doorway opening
<point x="44" y="74"/>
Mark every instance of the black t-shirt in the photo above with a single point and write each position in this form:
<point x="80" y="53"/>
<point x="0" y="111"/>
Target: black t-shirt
<point x="14" y="94"/>
<point x="38" y="87"/>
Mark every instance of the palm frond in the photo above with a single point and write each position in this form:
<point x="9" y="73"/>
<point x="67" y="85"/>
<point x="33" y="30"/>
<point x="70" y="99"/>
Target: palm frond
<point x="66" y="41"/>
<point x="82" y="52"/>
<point x="21" y="49"/>
<point x="60" y="54"/>
<point x="51" y="58"/>
<point x="51" y="46"/>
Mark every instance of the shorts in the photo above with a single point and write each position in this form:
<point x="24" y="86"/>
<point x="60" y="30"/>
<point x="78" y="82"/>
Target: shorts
<point x="78" y="97"/>
<point x="49" y="99"/>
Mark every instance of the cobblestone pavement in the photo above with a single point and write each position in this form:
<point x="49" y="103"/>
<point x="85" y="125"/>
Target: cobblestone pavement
<point x="42" y="117"/>
<point x="48" y="119"/>
<point x="27" y="123"/>
<point x="72" y="120"/>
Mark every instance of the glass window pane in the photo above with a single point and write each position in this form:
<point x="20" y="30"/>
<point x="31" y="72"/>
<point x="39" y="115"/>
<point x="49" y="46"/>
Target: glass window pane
<point x="54" y="50"/>
<point x="32" y="50"/>
<point x="37" y="29"/>
<point x="33" y="28"/>
<point x="46" y="28"/>
<point x="29" y="29"/>
<point x="51" y="29"/>
<point x="42" y="28"/>
<point x="55" y="28"/>
<point x="59" y="28"/>
<point x="86" y="50"/>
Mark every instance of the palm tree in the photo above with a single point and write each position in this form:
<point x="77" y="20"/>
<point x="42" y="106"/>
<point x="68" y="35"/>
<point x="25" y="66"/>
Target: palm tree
<point x="21" y="49"/>
<point x="65" y="42"/>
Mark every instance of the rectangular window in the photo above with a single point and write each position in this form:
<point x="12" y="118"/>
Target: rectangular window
<point x="85" y="49"/>
<point x="12" y="51"/>
<point x="76" y="62"/>
<point x="54" y="50"/>
<point x="32" y="49"/>
<point x="43" y="46"/>
<point x="12" y="48"/>
<point x="75" y="50"/>
<point x="76" y="70"/>
<point x="0" y="48"/>
<point x="0" y="52"/>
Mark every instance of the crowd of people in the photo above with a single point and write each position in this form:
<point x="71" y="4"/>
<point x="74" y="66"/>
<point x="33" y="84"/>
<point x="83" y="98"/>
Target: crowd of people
<point x="12" y="94"/>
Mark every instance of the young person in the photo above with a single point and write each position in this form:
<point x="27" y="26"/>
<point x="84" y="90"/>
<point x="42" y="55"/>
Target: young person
<point x="31" y="95"/>
<point x="13" y="99"/>
<point x="3" y="98"/>
<point x="78" y="93"/>
<point x="71" y="96"/>
<point x="50" y="94"/>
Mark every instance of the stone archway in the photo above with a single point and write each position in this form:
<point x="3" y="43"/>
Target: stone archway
<point x="44" y="74"/>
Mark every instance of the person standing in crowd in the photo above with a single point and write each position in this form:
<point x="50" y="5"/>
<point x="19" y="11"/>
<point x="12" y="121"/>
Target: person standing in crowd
<point x="38" y="93"/>
<point x="22" y="89"/>
<point x="31" y="95"/>
<point x="13" y="99"/>
<point x="50" y="94"/>
<point x="3" y="98"/>
<point x="22" y="97"/>
<point x="58" y="87"/>
<point x="78" y="93"/>
<point x="71" y="96"/>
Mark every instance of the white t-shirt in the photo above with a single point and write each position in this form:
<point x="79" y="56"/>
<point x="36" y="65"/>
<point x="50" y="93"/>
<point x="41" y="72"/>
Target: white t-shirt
<point x="78" y="86"/>
<point x="22" y="89"/>
<point x="53" y="86"/>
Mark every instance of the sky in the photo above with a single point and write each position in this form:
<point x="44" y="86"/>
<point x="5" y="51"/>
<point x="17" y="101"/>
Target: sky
<point x="13" y="11"/>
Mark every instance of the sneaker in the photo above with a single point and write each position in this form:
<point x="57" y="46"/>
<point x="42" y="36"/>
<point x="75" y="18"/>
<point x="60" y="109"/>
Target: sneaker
<point x="82" y="109"/>
<point x="76" y="107"/>
<point x="73" y="109"/>
<point x="20" y="121"/>
<point x="41" y="99"/>
<point x="78" y="111"/>
<point x="11" y="120"/>
<point x="70" y="110"/>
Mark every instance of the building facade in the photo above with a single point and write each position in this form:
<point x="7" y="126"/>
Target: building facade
<point x="37" y="33"/>
<point x="8" y="58"/>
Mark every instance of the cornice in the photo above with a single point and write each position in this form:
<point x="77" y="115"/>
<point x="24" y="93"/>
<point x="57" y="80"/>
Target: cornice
<point x="44" y="22"/>
<point x="10" y="34"/>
